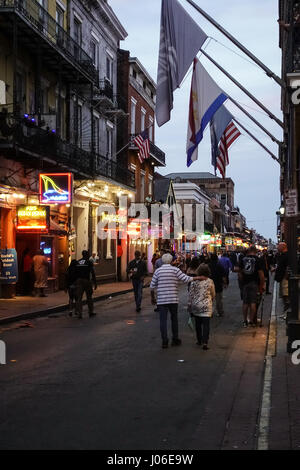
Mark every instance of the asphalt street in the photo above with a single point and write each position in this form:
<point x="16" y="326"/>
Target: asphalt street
<point x="106" y="383"/>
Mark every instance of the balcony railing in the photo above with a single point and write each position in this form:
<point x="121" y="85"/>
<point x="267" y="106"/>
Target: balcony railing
<point x="44" y="23"/>
<point x="47" y="144"/>
<point x="112" y="170"/>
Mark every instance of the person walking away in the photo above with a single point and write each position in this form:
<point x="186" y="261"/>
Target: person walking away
<point x="159" y="262"/>
<point x="193" y="267"/>
<point x="266" y="266"/>
<point x="84" y="270"/>
<point x="165" y="281"/>
<point x="233" y="259"/>
<point x="155" y="257"/>
<point x="70" y="285"/>
<point x="226" y="265"/>
<point x="137" y="270"/>
<point x="27" y="272"/>
<point x="281" y="275"/>
<point x="218" y="275"/>
<point x="253" y="283"/>
<point x="40" y="269"/>
<point x="200" y="301"/>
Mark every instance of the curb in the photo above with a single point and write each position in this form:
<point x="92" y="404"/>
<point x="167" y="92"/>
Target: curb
<point x="265" y="408"/>
<point x="56" y="309"/>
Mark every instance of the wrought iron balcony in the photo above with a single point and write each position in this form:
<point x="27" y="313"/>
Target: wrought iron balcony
<point x="110" y="169"/>
<point x="25" y="142"/>
<point x="34" y="18"/>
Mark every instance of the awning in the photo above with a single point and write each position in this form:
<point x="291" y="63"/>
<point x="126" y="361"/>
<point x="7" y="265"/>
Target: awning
<point x="56" y="229"/>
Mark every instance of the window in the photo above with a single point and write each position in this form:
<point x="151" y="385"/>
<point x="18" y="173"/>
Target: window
<point x="109" y="69"/>
<point x="143" y="119"/>
<point x="134" y="74"/>
<point x="109" y="136"/>
<point x="142" y="186"/>
<point x="59" y="16"/>
<point x="21" y="92"/>
<point x="96" y="143"/>
<point x="94" y="52"/>
<point x="41" y="11"/>
<point x="224" y="198"/>
<point x="150" y="129"/>
<point x="77" y="37"/>
<point x="150" y="191"/>
<point x="60" y="25"/>
<point x="132" y="115"/>
<point x="78" y="125"/>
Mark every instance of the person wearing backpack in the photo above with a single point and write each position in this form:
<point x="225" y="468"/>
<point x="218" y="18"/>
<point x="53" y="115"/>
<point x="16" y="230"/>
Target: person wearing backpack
<point x="252" y="279"/>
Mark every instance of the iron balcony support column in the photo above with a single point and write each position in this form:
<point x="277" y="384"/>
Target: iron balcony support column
<point x="15" y="56"/>
<point x="38" y="86"/>
<point x="76" y="114"/>
<point x="93" y="155"/>
<point x="59" y="104"/>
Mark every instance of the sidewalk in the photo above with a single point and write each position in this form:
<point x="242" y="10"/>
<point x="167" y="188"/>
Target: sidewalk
<point x="24" y="308"/>
<point x="284" y="431"/>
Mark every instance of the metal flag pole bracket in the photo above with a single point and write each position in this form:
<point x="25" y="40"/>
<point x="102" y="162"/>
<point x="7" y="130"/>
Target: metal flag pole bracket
<point x="266" y="110"/>
<point x="256" y="140"/>
<point x="229" y="36"/>
<point x="254" y="120"/>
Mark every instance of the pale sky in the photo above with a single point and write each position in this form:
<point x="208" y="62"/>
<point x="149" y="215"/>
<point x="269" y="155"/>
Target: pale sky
<point x="254" y="172"/>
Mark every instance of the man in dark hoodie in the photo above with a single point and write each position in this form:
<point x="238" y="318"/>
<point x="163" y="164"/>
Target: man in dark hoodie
<point x="218" y="275"/>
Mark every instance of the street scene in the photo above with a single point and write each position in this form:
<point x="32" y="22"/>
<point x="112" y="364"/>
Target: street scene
<point x="149" y="228"/>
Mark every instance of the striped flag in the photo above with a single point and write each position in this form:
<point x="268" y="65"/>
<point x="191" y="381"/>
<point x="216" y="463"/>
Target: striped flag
<point x="142" y="142"/>
<point x="205" y="100"/>
<point x="231" y="133"/>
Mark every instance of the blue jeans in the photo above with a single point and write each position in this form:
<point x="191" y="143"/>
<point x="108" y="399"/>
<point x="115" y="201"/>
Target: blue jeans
<point x="138" y="291"/>
<point x="163" y="314"/>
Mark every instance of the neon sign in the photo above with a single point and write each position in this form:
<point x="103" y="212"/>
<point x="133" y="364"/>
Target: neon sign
<point x="33" y="218"/>
<point x="55" y="188"/>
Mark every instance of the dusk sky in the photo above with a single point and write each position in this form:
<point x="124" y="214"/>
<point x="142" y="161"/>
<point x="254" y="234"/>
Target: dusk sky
<point x="254" y="172"/>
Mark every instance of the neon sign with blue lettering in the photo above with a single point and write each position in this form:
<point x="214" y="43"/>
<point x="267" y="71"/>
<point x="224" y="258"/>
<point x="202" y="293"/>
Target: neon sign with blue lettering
<point x="55" y="188"/>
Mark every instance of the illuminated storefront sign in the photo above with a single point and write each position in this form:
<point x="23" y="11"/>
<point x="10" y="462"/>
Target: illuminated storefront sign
<point x="55" y="188"/>
<point x="114" y="218"/>
<point x="33" y="218"/>
<point x="205" y="239"/>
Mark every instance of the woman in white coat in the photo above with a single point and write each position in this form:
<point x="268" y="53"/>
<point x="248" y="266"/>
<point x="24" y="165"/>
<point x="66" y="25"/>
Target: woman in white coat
<point x="200" y="304"/>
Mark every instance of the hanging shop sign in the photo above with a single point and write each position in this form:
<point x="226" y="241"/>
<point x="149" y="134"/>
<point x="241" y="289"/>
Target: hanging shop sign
<point x="33" y="218"/>
<point x="55" y="188"/>
<point x="8" y="266"/>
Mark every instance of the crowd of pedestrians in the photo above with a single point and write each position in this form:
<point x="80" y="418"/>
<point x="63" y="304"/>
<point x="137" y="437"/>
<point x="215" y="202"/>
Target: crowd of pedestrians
<point x="207" y="275"/>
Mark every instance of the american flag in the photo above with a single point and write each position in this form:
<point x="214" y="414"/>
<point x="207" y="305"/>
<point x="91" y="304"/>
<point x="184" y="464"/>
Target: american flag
<point x="231" y="133"/>
<point x="142" y="142"/>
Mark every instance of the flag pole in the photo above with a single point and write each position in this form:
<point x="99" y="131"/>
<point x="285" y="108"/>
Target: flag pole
<point x="239" y="45"/>
<point x="256" y="140"/>
<point x="123" y="148"/>
<point x="266" y="110"/>
<point x="254" y="120"/>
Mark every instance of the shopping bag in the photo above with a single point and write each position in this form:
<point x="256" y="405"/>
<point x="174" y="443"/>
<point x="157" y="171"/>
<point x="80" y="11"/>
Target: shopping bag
<point x="191" y="323"/>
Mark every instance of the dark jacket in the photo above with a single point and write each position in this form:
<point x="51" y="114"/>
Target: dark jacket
<point x="139" y="267"/>
<point x="217" y="274"/>
<point x="282" y="265"/>
<point x="84" y="269"/>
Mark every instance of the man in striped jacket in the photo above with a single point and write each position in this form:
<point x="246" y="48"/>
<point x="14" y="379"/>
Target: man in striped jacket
<point x="165" y="280"/>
